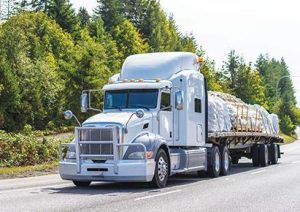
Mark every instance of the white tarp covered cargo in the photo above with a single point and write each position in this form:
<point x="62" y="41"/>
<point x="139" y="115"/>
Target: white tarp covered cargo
<point x="218" y="115"/>
<point x="228" y="113"/>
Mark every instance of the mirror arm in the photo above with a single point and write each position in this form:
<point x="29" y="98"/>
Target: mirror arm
<point x="77" y="120"/>
<point x="126" y="130"/>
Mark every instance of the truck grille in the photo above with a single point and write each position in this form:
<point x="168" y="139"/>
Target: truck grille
<point x="97" y="134"/>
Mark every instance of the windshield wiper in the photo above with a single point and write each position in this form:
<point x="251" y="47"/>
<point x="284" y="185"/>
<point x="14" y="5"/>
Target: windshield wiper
<point x="142" y="106"/>
<point x="114" y="106"/>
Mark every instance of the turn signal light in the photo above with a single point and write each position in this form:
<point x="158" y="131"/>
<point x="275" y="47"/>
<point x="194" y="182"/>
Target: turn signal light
<point x="149" y="154"/>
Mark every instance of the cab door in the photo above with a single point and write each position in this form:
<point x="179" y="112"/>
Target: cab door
<point x="165" y="117"/>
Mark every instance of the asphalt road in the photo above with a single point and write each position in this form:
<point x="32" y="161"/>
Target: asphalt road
<point x="273" y="188"/>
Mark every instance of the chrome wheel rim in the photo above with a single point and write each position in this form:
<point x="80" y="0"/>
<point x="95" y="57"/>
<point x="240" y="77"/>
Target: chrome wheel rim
<point x="217" y="162"/>
<point x="226" y="160"/>
<point x="266" y="155"/>
<point x="162" y="168"/>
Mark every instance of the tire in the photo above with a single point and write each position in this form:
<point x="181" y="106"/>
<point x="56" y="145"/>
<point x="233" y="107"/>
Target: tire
<point x="161" y="173"/>
<point x="235" y="160"/>
<point x="255" y="155"/>
<point x="274" y="153"/>
<point x="263" y="155"/>
<point x="81" y="183"/>
<point x="213" y="170"/>
<point x="225" y="161"/>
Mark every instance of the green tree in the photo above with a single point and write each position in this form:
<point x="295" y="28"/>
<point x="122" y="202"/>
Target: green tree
<point x="63" y="13"/>
<point x="39" y="5"/>
<point x="272" y="70"/>
<point x="90" y="69"/>
<point x="84" y="17"/>
<point x="110" y="12"/>
<point x="128" y="39"/>
<point x="230" y="69"/>
<point x="36" y="51"/>
<point x="114" y="56"/>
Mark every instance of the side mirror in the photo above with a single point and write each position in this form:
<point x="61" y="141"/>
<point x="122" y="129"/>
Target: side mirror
<point x="140" y="113"/>
<point x="68" y="114"/>
<point x="84" y="102"/>
<point x="179" y="100"/>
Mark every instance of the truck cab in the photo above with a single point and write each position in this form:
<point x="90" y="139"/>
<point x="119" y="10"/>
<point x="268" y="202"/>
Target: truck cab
<point x="153" y="124"/>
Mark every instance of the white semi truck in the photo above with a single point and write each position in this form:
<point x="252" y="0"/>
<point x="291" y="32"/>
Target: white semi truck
<point x="154" y="125"/>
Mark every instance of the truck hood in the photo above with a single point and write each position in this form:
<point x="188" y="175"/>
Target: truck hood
<point x="117" y="117"/>
<point x="135" y="125"/>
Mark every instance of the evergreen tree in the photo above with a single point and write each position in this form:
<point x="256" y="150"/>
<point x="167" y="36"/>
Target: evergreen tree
<point x="230" y="69"/>
<point x="84" y="17"/>
<point x="110" y="12"/>
<point x="64" y="14"/>
<point x="39" y="5"/>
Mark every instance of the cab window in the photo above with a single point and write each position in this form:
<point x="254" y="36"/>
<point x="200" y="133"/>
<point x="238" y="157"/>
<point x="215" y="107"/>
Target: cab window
<point x="165" y="103"/>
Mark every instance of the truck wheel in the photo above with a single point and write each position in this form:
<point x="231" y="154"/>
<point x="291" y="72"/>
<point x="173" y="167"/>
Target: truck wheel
<point x="234" y="160"/>
<point x="161" y="173"/>
<point x="225" y="161"/>
<point x="255" y="155"/>
<point x="274" y="153"/>
<point x="263" y="155"/>
<point x="81" y="183"/>
<point x="214" y="168"/>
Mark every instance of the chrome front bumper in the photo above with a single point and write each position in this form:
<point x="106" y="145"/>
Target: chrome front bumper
<point x="127" y="171"/>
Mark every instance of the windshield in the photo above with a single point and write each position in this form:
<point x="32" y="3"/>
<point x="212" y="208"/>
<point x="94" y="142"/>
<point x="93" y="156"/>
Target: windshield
<point x="131" y="98"/>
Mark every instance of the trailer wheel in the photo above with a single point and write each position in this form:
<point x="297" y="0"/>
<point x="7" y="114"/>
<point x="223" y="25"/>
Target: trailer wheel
<point x="263" y="155"/>
<point x="255" y="155"/>
<point x="81" y="183"/>
<point x="161" y="173"/>
<point x="274" y="153"/>
<point x="225" y="159"/>
<point x="214" y="168"/>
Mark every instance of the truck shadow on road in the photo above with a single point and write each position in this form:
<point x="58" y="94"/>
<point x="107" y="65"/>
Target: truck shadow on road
<point x="114" y="189"/>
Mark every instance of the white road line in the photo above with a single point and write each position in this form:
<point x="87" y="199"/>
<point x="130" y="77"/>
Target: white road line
<point x="157" y="195"/>
<point x="297" y="161"/>
<point x="258" y="172"/>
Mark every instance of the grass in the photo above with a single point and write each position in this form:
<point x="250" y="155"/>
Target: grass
<point x="24" y="171"/>
<point x="288" y="138"/>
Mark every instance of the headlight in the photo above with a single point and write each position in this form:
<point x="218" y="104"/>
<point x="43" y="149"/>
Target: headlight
<point x="134" y="153"/>
<point x="70" y="154"/>
<point x="137" y="153"/>
<point x="136" y="156"/>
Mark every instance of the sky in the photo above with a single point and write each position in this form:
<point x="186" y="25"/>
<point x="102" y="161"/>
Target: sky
<point x="249" y="27"/>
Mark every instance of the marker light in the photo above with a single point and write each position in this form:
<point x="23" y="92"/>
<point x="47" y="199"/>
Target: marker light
<point x="157" y="79"/>
<point x="110" y="81"/>
<point x="140" y="80"/>
<point x="200" y="60"/>
<point x="125" y="80"/>
<point x="132" y="80"/>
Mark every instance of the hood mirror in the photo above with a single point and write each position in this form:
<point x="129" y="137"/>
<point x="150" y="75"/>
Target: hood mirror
<point x="68" y="114"/>
<point x="140" y="113"/>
